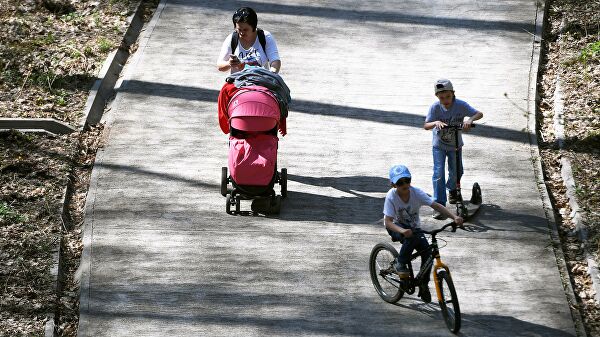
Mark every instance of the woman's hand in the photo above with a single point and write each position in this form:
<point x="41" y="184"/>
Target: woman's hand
<point x="275" y="66"/>
<point x="234" y="61"/>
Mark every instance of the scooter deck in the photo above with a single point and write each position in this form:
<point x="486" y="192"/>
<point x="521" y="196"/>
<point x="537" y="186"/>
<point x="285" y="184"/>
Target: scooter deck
<point x="471" y="209"/>
<point x="472" y="205"/>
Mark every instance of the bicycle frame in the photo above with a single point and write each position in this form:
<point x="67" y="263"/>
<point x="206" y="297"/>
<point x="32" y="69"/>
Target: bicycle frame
<point x="435" y="255"/>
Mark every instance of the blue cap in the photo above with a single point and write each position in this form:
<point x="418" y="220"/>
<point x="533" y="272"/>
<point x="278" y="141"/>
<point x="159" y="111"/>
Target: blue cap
<point x="397" y="172"/>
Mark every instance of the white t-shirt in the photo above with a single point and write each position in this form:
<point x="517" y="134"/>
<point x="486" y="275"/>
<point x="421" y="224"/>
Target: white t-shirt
<point x="254" y="54"/>
<point x="406" y="213"/>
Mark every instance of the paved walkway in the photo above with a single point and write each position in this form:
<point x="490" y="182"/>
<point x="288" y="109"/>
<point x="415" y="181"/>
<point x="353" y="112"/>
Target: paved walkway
<point x="163" y="258"/>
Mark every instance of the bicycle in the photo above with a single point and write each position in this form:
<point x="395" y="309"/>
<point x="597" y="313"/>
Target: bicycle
<point x="381" y="266"/>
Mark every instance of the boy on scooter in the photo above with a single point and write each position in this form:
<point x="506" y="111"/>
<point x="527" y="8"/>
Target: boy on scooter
<point x="448" y="109"/>
<point x="401" y="219"/>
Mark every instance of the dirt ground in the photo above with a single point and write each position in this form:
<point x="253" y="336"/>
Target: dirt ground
<point x="572" y="53"/>
<point x="50" y="54"/>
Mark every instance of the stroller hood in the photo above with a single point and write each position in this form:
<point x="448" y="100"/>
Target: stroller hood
<point x="254" y="101"/>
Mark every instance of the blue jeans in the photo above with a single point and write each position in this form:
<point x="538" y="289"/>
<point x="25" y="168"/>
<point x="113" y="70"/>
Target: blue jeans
<point x="439" y="173"/>
<point x="416" y="241"/>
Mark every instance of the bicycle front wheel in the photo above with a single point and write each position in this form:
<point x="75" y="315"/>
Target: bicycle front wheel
<point x="384" y="278"/>
<point x="449" y="302"/>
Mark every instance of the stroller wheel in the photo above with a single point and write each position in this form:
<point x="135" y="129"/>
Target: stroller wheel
<point x="228" y="205"/>
<point x="237" y="204"/>
<point x="283" y="182"/>
<point x="275" y="205"/>
<point x="224" y="181"/>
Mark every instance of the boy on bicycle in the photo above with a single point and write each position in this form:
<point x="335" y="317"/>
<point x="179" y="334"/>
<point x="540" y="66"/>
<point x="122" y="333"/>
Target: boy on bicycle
<point x="447" y="110"/>
<point x="401" y="219"/>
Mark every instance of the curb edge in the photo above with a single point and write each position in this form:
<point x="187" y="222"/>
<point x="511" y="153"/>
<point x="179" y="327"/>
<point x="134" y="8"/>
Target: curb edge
<point x="532" y="102"/>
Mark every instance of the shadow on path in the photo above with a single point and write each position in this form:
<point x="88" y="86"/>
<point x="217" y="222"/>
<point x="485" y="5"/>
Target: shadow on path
<point x="505" y="220"/>
<point x="159" y="175"/>
<point x="359" y="208"/>
<point x="483" y="325"/>
<point x="207" y="302"/>
<point x="368" y="15"/>
<point x="316" y="108"/>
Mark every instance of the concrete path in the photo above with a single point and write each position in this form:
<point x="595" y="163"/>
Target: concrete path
<point x="162" y="258"/>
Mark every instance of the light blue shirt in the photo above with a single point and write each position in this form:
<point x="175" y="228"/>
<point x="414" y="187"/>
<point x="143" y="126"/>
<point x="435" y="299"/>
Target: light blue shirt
<point x="406" y="213"/>
<point x="444" y="139"/>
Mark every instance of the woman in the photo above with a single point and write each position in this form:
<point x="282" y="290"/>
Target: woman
<point x="254" y="47"/>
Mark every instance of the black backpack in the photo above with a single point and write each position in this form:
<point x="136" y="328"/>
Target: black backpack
<point x="235" y="39"/>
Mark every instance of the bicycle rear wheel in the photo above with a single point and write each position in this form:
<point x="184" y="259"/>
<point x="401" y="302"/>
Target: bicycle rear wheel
<point x="449" y="302"/>
<point x="384" y="278"/>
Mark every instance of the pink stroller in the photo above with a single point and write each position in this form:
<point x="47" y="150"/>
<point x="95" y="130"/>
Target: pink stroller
<point x="254" y="118"/>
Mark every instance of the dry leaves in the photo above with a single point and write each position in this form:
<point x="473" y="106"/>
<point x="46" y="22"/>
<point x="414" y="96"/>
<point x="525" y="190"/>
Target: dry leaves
<point x="570" y="55"/>
<point x="50" y="53"/>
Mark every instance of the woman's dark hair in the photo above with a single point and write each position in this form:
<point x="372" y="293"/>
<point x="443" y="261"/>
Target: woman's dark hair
<point x="245" y="15"/>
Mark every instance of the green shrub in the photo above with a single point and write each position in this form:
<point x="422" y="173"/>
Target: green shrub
<point x="590" y="53"/>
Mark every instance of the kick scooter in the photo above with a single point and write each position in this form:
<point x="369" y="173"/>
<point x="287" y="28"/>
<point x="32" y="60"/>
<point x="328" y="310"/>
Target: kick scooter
<point x="464" y="209"/>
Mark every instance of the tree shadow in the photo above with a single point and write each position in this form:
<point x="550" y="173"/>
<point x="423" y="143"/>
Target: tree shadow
<point x="369" y="16"/>
<point x="360" y="208"/>
<point x="159" y="175"/>
<point x="483" y="325"/>
<point x="265" y="298"/>
<point x="527" y="222"/>
<point x="317" y="108"/>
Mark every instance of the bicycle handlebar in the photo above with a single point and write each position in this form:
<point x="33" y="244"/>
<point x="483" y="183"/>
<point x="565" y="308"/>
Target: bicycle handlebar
<point x="435" y="231"/>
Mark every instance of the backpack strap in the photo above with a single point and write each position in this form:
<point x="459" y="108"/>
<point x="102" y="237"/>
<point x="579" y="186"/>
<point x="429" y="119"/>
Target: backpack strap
<point x="262" y="39"/>
<point x="235" y="39"/>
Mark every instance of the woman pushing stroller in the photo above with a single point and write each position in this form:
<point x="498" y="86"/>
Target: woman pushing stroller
<point x="253" y="107"/>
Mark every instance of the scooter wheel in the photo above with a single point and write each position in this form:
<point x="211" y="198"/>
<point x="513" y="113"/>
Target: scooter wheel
<point x="463" y="212"/>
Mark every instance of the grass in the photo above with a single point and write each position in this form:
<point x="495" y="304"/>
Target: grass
<point x="62" y="97"/>
<point x="88" y="51"/>
<point x="49" y="39"/>
<point x="43" y="78"/>
<point x="73" y="17"/>
<point x="9" y="214"/>
<point x="97" y="19"/>
<point x="104" y="45"/>
<point x="590" y="52"/>
<point x="11" y="75"/>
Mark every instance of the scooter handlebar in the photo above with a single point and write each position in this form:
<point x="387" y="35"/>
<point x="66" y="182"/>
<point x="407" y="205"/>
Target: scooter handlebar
<point x="457" y="126"/>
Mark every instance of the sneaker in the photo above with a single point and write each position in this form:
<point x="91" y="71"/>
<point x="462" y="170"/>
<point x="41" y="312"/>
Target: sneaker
<point x="439" y="216"/>
<point x="424" y="293"/>
<point x="402" y="270"/>
<point x="453" y="197"/>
